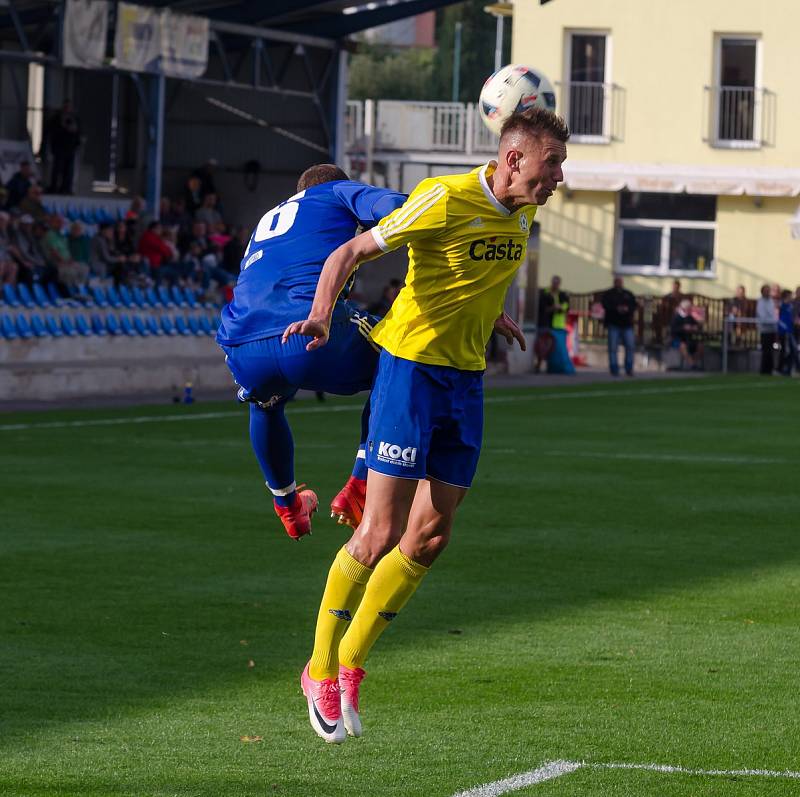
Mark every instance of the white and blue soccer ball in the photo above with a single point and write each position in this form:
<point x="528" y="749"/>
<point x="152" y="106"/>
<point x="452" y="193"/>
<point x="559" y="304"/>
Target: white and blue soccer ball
<point x="513" y="89"/>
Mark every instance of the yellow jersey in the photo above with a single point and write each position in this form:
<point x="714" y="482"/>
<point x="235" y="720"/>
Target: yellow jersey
<point x="464" y="248"/>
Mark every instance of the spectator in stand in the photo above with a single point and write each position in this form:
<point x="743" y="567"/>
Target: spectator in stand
<point x="233" y="253"/>
<point x="78" y="243"/>
<point x="138" y="218"/>
<point x="125" y="246"/>
<point x="27" y="253"/>
<point x="685" y="330"/>
<point x="8" y="267"/>
<point x="177" y="217"/>
<point x="205" y="174"/>
<point x="388" y="295"/>
<point x="63" y="136"/>
<point x="786" y="321"/>
<point x="104" y="260"/>
<point x="17" y="187"/>
<point x="192" y="194"/>
<point x="32" y="205"/>
<point x="199" y="233"/>
<point x="209" y="214"/>
<point x="620" y="307"/>
<point x="191" y="268"/>
<point x="738" y="307"/>
<point x="675" y="296"/>
<point x="158" y="253"/>
<point x="70" y="273"/>
<point x="767" y="315"/>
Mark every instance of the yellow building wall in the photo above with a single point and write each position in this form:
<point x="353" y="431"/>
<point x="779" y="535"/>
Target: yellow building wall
<point x="753" y="246"/>
<point x="662" y="56"/>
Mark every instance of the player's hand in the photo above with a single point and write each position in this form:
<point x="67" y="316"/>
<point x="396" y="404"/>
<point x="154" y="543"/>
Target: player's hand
<point x="508" y="328"/>
<point x="317" y="330"/>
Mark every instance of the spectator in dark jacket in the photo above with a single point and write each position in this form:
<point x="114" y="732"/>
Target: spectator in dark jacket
<point x="620" y="307"/>
<point x="19" y="184"/>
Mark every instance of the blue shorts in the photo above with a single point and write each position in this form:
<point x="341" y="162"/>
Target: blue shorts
<point x="426" y="421"/>
<point x="270" y="372"/>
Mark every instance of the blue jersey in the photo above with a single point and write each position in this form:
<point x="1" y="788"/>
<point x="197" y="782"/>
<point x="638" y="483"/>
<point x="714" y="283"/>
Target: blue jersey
<point x="287" y="250"/>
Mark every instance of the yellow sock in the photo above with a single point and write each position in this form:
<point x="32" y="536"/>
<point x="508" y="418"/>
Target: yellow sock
<point x="394" y="581"/>
<point x="347" y="580"/>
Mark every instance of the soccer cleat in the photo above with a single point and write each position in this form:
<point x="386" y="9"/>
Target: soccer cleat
<point x="296" y="518"/>
<point x="348" y="506"/>
<point x="324" y="708"/>
<point x="350" y="681"/>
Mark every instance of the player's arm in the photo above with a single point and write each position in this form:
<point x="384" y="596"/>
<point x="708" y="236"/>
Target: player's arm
<point x="337" y="270"/>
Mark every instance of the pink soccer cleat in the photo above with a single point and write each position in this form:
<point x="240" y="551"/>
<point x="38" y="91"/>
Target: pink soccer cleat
<point x="348" y="506"/>
<point x="296" y="519"/>
<point x="324" y="708"/>
<point x="350" y="681"/>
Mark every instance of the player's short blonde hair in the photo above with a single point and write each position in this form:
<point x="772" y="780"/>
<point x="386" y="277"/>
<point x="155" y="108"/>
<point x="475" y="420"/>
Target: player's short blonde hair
<point x="321" y="173"/>
<point x="535" y="122"/>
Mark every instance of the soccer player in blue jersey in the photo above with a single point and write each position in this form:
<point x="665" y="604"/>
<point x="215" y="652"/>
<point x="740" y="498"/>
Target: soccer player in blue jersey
<point x="276" y="286"/>
<point x="467" y="236"/>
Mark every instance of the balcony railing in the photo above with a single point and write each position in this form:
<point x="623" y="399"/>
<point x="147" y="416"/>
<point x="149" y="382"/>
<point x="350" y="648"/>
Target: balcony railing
<point x="741" y="115"/>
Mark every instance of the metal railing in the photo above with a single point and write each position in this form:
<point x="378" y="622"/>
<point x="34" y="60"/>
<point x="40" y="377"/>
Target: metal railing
<point x="588" y="108"/>
<point x="741" y="114"/>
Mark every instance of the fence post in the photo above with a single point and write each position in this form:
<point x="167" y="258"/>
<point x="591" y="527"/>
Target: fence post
<point x="725" y="345"/>
<point x="369" y="139"/>
<point x="469" y="132"/>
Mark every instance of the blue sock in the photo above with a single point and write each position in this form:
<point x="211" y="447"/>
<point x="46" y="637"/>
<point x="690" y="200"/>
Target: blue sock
<point x="273" y="445"/>
<point x="360" y="465"/>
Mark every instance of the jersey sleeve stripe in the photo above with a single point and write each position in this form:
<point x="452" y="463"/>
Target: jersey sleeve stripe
<point x="399" y="227"/>
<point x="400" y="219"/>
<point x="378" y="238"/>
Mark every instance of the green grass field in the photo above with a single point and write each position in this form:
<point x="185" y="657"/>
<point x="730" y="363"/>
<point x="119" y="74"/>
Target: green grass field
<point x="622" y="586"/>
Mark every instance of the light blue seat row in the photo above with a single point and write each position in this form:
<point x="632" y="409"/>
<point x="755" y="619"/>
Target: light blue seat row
<point x="100" y="325"/>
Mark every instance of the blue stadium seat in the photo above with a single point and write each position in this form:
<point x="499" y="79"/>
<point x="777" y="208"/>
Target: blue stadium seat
<point x="191" y="298"/>
<point x="178" y="296"/>
<point x="205" y="325"/>
<point x="152" y="325"/>
<point x="67" y="327"/>
<point x="8" y="327"/>
<point x="113" y="296"/>
<point x="194" y="326"/>
<point x="84" y="296"/>
<point x="152" y="298"/>
<point x="53" y="327"/>
<point x="52" y="292"/>
<point x="98" y="326"/>
<point x="24" y="293"/>
<point x="40" y="296"/>
<point x="23" y="327"/>
<point x="38" y="327"/>
<point x="168" y="326"/>
<point x="82" y="325"/>
<point x="99" y="296"/>
<point x="180" y="325"/>
<point x="140" y="326"/>
<point x="11" y="297"/>
<point x="112" y="325"/>
<point x="139" y="299"/>
<point x="127" y="326"/>
<point x="126" y="297"/>
<point x="164" y="296"/>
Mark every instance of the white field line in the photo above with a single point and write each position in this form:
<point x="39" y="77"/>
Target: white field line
<point x="555" y="769"/>
<point x="205" y="416"/>
<point x="548" y="771"/>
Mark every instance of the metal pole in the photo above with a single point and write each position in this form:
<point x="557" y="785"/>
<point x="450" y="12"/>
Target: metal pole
<point x="155" y="146"/>
<point x="456" y="63"/>
<point x="112" y="144"/>
<point x="339" y="107"/>
<point x="369" y="139"/>
<point x="498" y="43"/>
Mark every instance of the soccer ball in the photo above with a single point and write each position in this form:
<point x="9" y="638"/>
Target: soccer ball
<point x="512" y="89"/>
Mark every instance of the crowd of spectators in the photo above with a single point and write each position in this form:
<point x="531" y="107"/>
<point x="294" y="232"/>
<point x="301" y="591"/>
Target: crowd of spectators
<point x="191" y="243"/>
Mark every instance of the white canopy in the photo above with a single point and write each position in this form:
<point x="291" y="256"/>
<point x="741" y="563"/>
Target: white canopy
<point x="676" y="178"/>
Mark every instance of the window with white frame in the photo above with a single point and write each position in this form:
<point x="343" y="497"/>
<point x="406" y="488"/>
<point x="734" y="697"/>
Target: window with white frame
<point x="737" y="93"/>
<point x="588" y="91"/>
<point x="666" y="234"/>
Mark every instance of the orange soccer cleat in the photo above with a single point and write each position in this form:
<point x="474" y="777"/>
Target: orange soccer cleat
<point x="348" y="506"/>
<point x="296" y="518"/>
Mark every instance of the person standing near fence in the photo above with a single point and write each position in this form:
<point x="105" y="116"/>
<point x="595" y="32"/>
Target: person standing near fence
<point x="789" y="355"/>
<point x="767" y="316"/>
<point x="619" y="306"/>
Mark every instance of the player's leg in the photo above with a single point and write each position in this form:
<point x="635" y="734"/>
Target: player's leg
<point x="348" y="505"/>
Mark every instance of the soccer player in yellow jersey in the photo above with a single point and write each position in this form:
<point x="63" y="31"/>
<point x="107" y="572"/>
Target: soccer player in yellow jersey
<point x="466" y="236"/>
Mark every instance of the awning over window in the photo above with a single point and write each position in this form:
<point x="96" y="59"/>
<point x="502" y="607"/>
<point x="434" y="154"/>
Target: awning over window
<point x="675" y="178"/>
